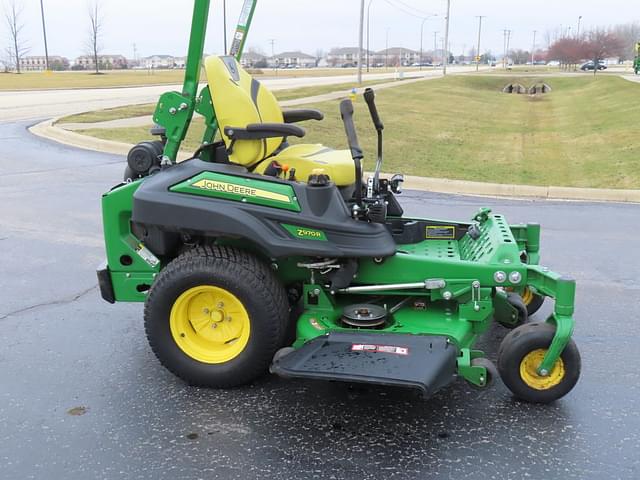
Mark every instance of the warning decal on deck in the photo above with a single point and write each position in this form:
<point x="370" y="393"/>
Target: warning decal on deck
<point x="360" y="347"/>
<point x="441" y="232"/>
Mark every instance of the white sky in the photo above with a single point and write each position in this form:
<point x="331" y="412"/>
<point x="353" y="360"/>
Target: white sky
<point x="162" y="26"/>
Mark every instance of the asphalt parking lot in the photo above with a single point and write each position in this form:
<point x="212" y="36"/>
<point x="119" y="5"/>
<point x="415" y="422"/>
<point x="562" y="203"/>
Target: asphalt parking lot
<point x="83" y="397"/>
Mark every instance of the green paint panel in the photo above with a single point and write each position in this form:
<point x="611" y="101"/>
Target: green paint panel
<point x="239" y="189"/>
<point x="132" y="266"/>
<point x="304" y="233"/>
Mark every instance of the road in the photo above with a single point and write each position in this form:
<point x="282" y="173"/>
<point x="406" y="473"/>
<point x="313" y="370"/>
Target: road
<point x="27" y="105"/>
<point x="83" y="397"/>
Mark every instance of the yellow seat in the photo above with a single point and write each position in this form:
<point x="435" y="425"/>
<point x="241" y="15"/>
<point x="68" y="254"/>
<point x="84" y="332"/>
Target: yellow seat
<point x="240" y="100"/>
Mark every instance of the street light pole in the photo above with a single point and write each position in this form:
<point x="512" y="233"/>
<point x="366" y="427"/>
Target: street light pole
<point x="435" y="45"/>
<point x="446" y="40"/>
<point x="368" y="30"/>
<point x="480" y="17"/>
<point x="44" y="32"/>
<point x="422" y="40"/>
<point x="224" y="21"/>
<point x="386" y="52"/>
<point x="533" y="49"/>
<point x="360" y="42"/>
<point x="578" y="31"/>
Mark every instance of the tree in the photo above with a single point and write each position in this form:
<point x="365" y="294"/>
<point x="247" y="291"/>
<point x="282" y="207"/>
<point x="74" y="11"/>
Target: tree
<point x="568" y="51"/>
<point x="519" y="56"/>
<point x="95" y="32"/>
<point x="18" y="48"/>
<point x="601" y="44"/>
<point x="628" y="34"/>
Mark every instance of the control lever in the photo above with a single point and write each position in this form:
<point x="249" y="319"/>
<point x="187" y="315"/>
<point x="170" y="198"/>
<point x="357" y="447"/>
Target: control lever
<point x="370" y="98"/>
<point x="346" y="111"/>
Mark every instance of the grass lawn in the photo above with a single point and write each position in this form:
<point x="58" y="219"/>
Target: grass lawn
<point x="121" y="78"/>
<point x="148" y="109"/>
<point x="583" y="134"/>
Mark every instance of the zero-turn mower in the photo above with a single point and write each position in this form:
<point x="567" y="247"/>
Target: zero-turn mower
<point x="257" y="255"/>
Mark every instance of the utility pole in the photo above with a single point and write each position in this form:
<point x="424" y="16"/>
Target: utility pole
<point x="368" y="30"/>
<point x="435" y="46"/>
<point x="533" y="49"/>
<point x="578" y="31"/>
<point x="360" y="42"/>
<point x="422" y="41"/>
<point x="508" y="40"/>
<point x="273" y="54"/>
<point x="224" y="14"/>
<point x="480" y="17"/>
<point x="44" y="33"/>
<point x="504" y="45"/>
<point x="446" y="39"/>
<point x="386" y="52"/>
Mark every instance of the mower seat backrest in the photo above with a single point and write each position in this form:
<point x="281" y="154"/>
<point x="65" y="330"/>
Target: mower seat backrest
<point x="240" y="100"/>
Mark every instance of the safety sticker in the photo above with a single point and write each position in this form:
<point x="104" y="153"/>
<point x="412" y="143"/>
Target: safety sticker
<point x="441" y="232"/>
<point x="393" y="349"/>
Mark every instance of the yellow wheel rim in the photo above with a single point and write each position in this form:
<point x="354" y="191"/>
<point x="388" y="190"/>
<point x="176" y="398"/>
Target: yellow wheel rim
<point x="527" y="296"/>
<point x="529" y="371"/>
<point x="210" y="324"/>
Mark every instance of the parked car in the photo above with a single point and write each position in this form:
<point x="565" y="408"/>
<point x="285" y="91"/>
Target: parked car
<point x="591" y="66"/>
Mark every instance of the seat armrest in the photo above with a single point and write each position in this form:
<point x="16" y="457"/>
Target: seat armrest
<point x="295" y="116"/>
<point x="260" y="131"/>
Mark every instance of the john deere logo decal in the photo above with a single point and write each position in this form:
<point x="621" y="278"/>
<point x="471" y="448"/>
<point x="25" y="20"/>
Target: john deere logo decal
<point x="232" y="188"/>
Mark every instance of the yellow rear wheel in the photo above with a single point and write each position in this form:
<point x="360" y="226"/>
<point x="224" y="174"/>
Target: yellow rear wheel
<point x="210" y="324"/>
<point x="215" y="317"/>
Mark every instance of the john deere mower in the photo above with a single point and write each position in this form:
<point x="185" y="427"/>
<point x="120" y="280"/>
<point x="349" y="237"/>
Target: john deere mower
<point x="258" y="255"/>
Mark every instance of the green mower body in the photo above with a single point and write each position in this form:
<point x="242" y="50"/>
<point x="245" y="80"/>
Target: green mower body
<point x="243" y="272"/>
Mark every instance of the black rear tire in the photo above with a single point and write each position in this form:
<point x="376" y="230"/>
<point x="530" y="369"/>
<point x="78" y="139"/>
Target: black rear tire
<point x="240" y="274"/>
<point x="512" y="361"/>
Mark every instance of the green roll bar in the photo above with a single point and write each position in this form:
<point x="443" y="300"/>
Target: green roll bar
<point x="175" y="110"/>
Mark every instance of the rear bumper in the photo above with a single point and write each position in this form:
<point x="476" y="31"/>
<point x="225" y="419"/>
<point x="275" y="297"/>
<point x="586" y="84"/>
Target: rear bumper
<point x="105" y="283"/>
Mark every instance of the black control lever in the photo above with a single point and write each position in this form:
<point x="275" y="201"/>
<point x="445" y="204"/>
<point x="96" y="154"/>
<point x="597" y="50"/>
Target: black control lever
<point x="346" y="111"/>
<point x="370" y="98"/>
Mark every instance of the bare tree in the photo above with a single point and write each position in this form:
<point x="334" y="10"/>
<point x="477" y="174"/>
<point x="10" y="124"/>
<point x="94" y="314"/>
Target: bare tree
<point x="13" y="18"/>
<point x="601" y="44"/>
<point x="95" y="31"/>
<point x="629" y="34"/>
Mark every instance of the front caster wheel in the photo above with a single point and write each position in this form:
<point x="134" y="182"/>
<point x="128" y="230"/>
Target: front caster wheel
<point x="532" y="301"/>
<point x="216" y="316"/>
<point x="520" y="354"/>
<point x="492" y="372"/>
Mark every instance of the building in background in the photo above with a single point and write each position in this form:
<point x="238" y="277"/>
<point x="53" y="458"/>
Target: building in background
<point x="252" y="59"/>
<point x="347" y="57"/>
<point x="159" y="62"/>
<point x="397" y="57"/>
<point x="292" y="60"/>
<point x="106" y="62"/>
<point x="38" y="63"/>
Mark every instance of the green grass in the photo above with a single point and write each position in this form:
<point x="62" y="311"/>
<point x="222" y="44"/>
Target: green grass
<point x="148" y="109"/>
<point x="69" y="80"/>
<point x="583" y="134"/>
<point x="126" y="78"/>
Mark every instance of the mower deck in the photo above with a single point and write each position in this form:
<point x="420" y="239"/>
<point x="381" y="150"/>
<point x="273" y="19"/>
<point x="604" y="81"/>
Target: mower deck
<point x="427" y="363"/>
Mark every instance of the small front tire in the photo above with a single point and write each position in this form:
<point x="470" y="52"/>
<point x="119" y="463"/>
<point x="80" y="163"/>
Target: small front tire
<point x="521" y="353"/>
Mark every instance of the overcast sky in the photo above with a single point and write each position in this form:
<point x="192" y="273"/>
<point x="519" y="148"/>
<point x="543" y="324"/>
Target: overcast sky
<point x="162" y="26"/>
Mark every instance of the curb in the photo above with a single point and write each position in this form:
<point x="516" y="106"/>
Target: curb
<point x="49" y="131"/>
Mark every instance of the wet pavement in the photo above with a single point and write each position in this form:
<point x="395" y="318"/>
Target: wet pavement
<point x="83" y="397"/>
